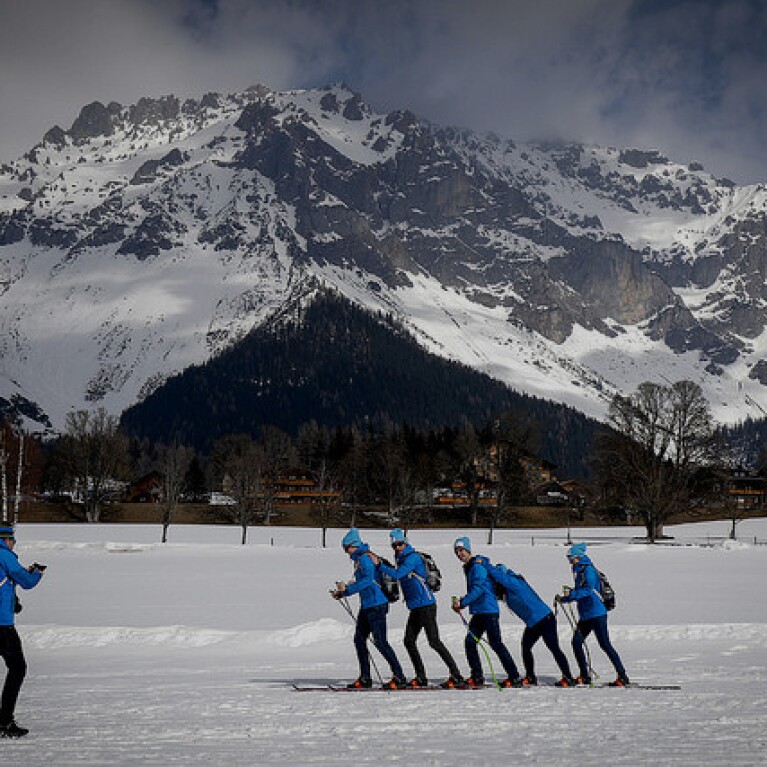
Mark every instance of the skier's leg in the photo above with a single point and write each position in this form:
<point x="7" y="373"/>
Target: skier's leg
<point x="435" y="642"/>
<point x="412" y="630"/>
<point x="361" y="634"/>
<point x="13" y="655"/>
<point x="551" y="640"/>
<point x="476" y="629"/>
<point x="603" y="639"/>
<point x="530" y="636"/>
<point x="582" y="630"/>
<point x="495" y="641"/>
<point x="377" y="618"/>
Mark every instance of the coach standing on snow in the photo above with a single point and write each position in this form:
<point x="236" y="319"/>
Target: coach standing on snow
<point x="12" y="574"/>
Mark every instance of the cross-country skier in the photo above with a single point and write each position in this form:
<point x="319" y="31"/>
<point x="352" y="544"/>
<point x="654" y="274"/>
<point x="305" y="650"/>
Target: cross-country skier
<point x="483" y="606"/>
<point x="420" y="600"/>
<point x="371" y="619"/>
<point x="539" y="620"/>
<point x="592" y="615"/>
<point x="12" y="574"/>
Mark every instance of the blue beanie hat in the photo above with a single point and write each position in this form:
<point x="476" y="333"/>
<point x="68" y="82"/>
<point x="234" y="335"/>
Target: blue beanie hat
<point x="7" y="532"/>
<point x="397" y="536"/>
<point x="577" y="550"/>
<point x="352" y="538"/>
<point x="462" y="543"/>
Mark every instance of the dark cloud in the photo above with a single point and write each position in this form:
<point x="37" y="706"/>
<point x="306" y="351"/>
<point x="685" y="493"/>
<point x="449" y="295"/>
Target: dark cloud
<point x="683" y="77"/>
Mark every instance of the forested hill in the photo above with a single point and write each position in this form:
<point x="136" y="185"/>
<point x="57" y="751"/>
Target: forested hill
<point x="339" y="365"/>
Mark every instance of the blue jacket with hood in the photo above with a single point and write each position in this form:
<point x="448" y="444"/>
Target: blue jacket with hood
<point x="520" y="596"/>
<point x="365" y="583"/>
<point x="480" y="595"/>
<point x="586" y="591"/>
<point x="12" y="574"/>
<point x="411" y="573"/>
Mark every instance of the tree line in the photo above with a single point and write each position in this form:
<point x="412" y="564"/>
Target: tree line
<point x="658" y="455"/>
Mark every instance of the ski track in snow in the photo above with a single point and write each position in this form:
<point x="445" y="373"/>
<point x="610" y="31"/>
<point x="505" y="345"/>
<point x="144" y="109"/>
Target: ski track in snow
<point x="214" y="685"/>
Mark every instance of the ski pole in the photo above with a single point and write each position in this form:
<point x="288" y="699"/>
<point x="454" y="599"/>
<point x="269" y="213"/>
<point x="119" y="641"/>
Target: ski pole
<point x="481" y="644"/>
<point x="568" y="611"/>
<point x="344" y="602"/>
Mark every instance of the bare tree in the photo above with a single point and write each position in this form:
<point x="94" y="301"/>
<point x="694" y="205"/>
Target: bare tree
<point x="660" y="456"/>
<point x="94" y="453"/>
<point x="510" y="441"/>
<point x="175" y="461"/>
<point x="351" y="473"/>
<point x="278" y="454"/>
<point x="469" y="456"/>
<point x="4" y="458"/>
<point x="240" y="459"/>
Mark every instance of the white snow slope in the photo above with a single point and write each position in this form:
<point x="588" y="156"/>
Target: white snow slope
<point x="185" y="653"/>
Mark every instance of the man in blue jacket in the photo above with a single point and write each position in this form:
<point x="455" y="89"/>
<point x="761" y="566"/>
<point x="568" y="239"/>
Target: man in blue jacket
<point x="539" y="621"/>
<point x="483" y="606"/>
<point x="371" y="619"/>
<point x="592" y="615"/>
<point x="12" y="574"/>
<point x="420" y="600"/>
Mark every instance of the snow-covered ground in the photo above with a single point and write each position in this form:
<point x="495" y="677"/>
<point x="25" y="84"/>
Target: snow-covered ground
<point x="147" y="654"/>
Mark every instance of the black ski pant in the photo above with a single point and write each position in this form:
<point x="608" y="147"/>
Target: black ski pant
<point x="478" y="625"/>
<point x="13" y="655"/>
<point x="426" y="618"/>
<point x="599" y="627"/>
<point x="545" y="629"/>
<point x="372" y="621"/>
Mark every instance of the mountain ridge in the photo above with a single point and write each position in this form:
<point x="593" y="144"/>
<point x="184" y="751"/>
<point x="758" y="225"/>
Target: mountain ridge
<point x="147" y="238"/>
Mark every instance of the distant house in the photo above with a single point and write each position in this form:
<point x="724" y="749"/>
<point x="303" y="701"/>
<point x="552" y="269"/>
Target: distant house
<point x="292" y="487"/>
<point x="146" y="489"/>
<point x="747" y="489"/>
<point x="551" y="494"/>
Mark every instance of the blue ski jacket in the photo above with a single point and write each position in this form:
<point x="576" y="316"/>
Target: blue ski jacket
<point x="480" y="596"/>
<point x="586" y="591"/>
<point x="12" y="574"/>
<point x="520" y="595"/>
<point x="365" y="583"/>
<point x="411" y="573"/>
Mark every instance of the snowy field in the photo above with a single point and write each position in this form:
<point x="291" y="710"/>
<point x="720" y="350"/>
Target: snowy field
<point x="144" y="654"/>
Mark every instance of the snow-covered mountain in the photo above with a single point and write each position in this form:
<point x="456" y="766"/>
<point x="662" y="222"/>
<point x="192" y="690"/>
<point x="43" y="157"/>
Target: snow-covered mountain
<point x="147" y="238"/>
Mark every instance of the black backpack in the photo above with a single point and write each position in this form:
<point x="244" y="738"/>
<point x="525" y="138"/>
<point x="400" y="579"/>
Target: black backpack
<point x="389" y="585"/>
<point x="606" y="591"/>
<point x="433" y="575"/>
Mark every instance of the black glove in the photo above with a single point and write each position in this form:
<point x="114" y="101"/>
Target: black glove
<point x="37" y="567"/>
<point x="17" y="608"/>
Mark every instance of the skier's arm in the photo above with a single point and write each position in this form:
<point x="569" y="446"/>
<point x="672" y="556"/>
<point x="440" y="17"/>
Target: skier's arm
<point x="590" y="585"/>
<point x="403" y="570"/>
<point x="365" y="576"/>
<point x="20" y="575"/>
<point x="477" y="578"/>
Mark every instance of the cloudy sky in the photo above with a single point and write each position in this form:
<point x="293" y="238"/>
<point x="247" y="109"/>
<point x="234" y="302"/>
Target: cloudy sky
<point x="688" y="77"/>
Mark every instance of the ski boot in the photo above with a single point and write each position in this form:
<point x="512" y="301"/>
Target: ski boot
<point x="12" y="730"/>
<point x="517" y="682"/>
<point x="621" y="681"/>
<point x="395" y="683"/>
<point x="475" y="682"/>
<point x="566" y="681"/>
<point x="419" y="681"/>
<point x="530" y="681"/>
<point x="583" y="681"/>
<point x="453" y="683"/>
<point x="360" y="684"/>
